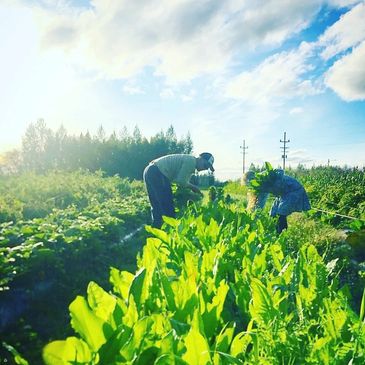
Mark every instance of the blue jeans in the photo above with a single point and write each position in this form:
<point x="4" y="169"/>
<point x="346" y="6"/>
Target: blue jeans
<point x="159" y="193"/>
<point x="282" y="224"/>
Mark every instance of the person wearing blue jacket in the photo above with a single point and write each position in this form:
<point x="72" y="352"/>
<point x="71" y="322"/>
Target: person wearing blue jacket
<point x="290" y="194"/>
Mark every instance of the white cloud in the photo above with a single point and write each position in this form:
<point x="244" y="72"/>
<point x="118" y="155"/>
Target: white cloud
<point x="181" y="40"/>
<point x="132" y="89"/>
<point x="279" y="76"/>
<point x="342" y="3"/>
<point x="271" y="22"/>
<point x="347" y="32"/>
<point x="299" y="156"/>
<point x="167" y="93"/>
<point x="347" y="76"/>
<point x="296" y="110"/>
<point x="189" y="96"/>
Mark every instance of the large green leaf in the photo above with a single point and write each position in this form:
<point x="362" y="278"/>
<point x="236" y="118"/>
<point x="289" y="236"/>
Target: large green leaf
<point x="121" y="281"/>
<point x="191" y="265"/>
<point x="197" y="348"/>
<point x="225" y="337"/>
<point x="167" y="342"/>
<point x="72" y="351"/>
<point x="151" y="252"/>
<point x="210" y="262"/>
<point x="171" y="221"/>
<point x="109" y="353"/>
<point x="261" y="307"/>
<point x="131" y="314"/>
<point x="169" y="293"/>
<point x="240" y="343"/>
<point x="159" y="233"/>
<point x="102" y="303"/>
<point x="334" y="318"/>
<point x="147" y="356"/>
<point x="277" y="256"/>
<point x="135" y="344"/>
<point x="136" y="287"/>
<point x="362" y="307"/>
<point x="268" y="166"/>
<point x="213" y="310"/>
<point x="213" y="229"/>
<point x="91" y="328"/>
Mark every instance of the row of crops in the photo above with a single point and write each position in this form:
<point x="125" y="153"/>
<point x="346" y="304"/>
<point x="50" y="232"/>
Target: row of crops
<point x="25" y="243"/>
<point x="337" y="190"/>
<point x="61" y="230"/>
<point x="217" y="287"/>
<point x="29" y="195"/>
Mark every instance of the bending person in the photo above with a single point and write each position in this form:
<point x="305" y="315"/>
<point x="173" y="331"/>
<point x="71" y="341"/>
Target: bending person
<point x="290" y="193"/>
<point x="159" y="175"/>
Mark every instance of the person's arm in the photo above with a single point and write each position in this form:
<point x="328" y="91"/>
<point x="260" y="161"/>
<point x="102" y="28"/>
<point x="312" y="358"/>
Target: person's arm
<point x="261" y="200"/>
<point x="194" y="188"/>
<point x="183" y="178"/>
<point x="256" y="201"/>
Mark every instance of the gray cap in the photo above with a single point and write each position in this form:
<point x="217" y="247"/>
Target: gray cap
<point x="209" y="158"/>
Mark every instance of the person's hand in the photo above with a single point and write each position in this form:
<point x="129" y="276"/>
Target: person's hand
<point x="196" y="190"/>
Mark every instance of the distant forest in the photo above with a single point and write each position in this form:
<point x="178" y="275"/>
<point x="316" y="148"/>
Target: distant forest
<point x="122" y="153"/>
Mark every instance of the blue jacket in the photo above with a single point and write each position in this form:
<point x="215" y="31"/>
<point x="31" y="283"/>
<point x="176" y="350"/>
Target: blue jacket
<point x="290" y="195"/>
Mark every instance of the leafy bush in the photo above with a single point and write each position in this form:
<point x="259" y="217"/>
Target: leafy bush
<point x="31" y="196"/>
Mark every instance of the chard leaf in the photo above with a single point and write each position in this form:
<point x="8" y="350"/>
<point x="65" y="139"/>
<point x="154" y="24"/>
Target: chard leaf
<point x="136" y="287"/>
<point x="121" y="281"/>
<point x="261" y="307"/>
<point x="197" y="348"/>
<point x="71" y="351"/>
<point x="102" y="303"/>
<point x="90" y="327"/>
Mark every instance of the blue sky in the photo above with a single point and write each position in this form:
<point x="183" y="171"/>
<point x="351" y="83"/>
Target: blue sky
<point x="223" y="70"/>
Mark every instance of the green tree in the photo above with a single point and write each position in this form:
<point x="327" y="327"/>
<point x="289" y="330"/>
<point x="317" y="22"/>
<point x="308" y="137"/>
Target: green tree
<point x="124" y="153"/>
<point x="37" y="137"/>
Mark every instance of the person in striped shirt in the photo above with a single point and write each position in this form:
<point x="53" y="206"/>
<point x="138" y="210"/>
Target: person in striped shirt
<point x="163" y="171"/>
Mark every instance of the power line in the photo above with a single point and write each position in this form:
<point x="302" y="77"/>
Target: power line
<point x="339" y="215"/>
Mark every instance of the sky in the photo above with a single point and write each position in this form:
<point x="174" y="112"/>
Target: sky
<point x="226" y="71"/>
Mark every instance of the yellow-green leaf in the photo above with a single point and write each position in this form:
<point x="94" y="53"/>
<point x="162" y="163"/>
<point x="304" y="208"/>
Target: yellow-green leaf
<point x="197" y="349"/>
<point x="90" y="327"/>
<point x="70" y="351"/>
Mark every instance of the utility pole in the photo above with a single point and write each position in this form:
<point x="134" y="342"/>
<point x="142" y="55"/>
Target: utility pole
<point x="285" y="148"/>
<point x="244" y="148"/>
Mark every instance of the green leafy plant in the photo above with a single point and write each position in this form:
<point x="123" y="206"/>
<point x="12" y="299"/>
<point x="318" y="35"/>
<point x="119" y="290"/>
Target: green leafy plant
<point x="215" y="287"/>
<point x="262" y="178"/>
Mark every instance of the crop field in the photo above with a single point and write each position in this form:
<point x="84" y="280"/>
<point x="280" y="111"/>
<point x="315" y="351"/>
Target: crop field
<point x="217" y="285"/>
<point x="182" y="182"/>
<point x="58" y="231"/>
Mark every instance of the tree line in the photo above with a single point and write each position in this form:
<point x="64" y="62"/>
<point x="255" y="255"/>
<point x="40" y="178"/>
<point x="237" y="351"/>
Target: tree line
<point x="122" y="153"/>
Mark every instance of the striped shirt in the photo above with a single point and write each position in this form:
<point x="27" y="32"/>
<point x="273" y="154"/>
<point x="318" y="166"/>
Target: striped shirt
<point x="177" y="168"/>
